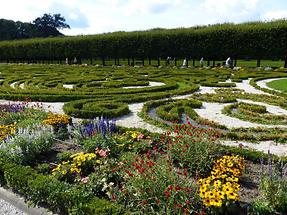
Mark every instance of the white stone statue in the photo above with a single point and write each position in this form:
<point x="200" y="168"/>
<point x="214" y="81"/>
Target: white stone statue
<point x="201" y="62"/>
<point x="228" y="62"/>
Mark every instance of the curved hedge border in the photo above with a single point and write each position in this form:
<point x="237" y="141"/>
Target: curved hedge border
<point x="191" y="114"/>
<point x="274" y="92"/>
<point x="60" y="197"/>
<point x="253" y="113"/>
<point x="93" y="108"/>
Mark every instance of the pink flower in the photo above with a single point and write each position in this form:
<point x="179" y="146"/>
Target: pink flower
<point x="140" y="136"/>
<point x="103" y="153"/>
<point x="85" y="180"/>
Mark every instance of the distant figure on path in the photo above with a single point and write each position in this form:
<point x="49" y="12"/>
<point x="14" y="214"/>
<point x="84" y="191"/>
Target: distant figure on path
<point x="168" y="60"/>
<point x="228" y="62"/>
<point x="67" y="61"/>
<point x="75" y="60"/>
<point x="201" y="62"/>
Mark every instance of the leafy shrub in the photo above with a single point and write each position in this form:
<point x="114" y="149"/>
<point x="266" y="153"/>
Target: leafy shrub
<point x="194" y="148"/>
<point x="152" y="185"/>
<point x="27" y="144"/>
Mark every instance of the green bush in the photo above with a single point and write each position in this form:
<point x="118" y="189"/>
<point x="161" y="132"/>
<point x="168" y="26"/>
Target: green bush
<point x="61" y="197"/>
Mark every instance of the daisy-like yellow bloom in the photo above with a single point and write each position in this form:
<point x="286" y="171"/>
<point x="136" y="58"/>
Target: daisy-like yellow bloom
<point x="74" y="166"/>
<point x="222" y="186"/>
<point x="56" y="119"/>
<point x="217" y="183"/>
<point x="6" y="130"/>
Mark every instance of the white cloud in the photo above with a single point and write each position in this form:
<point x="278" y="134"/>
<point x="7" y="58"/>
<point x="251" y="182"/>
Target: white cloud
<point x="278" y="14"/>
<point x="97" y="16"/>
<point x="229" y="10"/>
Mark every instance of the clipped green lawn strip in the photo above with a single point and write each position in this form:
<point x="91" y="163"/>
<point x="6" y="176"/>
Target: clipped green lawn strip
<point x="278" y="85"/>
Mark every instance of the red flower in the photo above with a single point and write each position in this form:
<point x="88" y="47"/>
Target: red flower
<point x="144" y="202"/>
<point x="167" y="194"/>
<point x="129" y="173"/>
<point x="157" y="201"/>
<point x="150" y="164"/>
<point x="202" y="212"/>
<point x="141" y="170"/>
<point x="185" y="172"/>
<point x="177" y="187"/>
<point x="114" y="197"/>
<point x="187" y="202"/>
<point x="170" y="187"/>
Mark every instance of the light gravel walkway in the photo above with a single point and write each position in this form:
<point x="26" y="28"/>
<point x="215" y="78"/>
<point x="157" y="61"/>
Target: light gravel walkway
<point x="11" y="203"/>
<point x="248" y="88"/>
<point x="132" y="120"/>
<point x="270" y="108"/>
<point x="151" y="84"/>
<point x="264" y="146"/>
<point x="213" y="112"/>
<point x="8" y="209"/>
<point x="54" y="107"/>
<point x="263" y="83"/>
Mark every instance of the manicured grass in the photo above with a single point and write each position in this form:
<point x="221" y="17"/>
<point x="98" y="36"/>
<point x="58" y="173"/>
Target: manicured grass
<point x="278" y="85"/>
<point x="154" y="62"/>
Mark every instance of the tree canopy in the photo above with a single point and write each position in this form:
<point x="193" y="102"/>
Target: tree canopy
<point x="46" y="26"/>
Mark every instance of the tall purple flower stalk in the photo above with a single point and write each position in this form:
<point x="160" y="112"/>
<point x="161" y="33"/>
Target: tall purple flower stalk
<point x="102" y="126"/>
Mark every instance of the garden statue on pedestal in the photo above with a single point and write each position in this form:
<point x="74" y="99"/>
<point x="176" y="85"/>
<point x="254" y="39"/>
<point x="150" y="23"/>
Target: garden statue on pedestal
<point x="228" y="62"/>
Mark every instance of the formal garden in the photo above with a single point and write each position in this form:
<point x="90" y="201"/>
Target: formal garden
<point x="83" y="162"/>
<point x="124" y="131"/>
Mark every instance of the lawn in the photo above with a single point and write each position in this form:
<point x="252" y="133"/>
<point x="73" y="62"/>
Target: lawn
<point x="278" y="85"/>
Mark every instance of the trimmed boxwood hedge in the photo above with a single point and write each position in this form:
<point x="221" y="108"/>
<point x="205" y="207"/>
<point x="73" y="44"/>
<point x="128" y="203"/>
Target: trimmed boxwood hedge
<point x="60" y="197"/>
<point x="93" y="108"/>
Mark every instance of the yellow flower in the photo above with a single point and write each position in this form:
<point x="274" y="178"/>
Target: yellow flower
<point x="217" y="183"/>
<point x="64" y="172"/>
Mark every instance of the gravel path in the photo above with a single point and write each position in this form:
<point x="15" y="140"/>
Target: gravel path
<point x="8" y="209"/>
<point x="151" y="84"/>
<point x="213" y="112"/>
<point x="248" y="88"/>
<point x="265" y="146"/>
<point x="54" y="107"/>
<point x="132" y="120"/>
<point x="270" y="108"/>
<point x="263" y="83"/>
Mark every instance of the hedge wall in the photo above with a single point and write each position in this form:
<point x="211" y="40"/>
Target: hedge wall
<point x="256" y="40"/>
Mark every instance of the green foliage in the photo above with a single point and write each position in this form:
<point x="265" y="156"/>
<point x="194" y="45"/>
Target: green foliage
<point x="194" y="149"/>
<point x="61" y="197"/>
<point x="154" y="186"/>
<point x="253" y="113"/>
<point x="28" y="144"/>
<point x="240" y="41"/>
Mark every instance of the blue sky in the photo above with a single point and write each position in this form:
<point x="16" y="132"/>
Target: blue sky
<point x="99" y="16"/>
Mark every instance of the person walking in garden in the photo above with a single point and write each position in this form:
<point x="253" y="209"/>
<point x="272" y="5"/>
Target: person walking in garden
<point x="168" y="61"/>
<point x="67" y="61"/>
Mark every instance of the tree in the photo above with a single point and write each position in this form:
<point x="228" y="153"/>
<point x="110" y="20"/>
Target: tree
<point x="48" y="25"/>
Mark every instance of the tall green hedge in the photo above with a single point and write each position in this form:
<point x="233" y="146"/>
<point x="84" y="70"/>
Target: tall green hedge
<point x="256" y="40"/>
